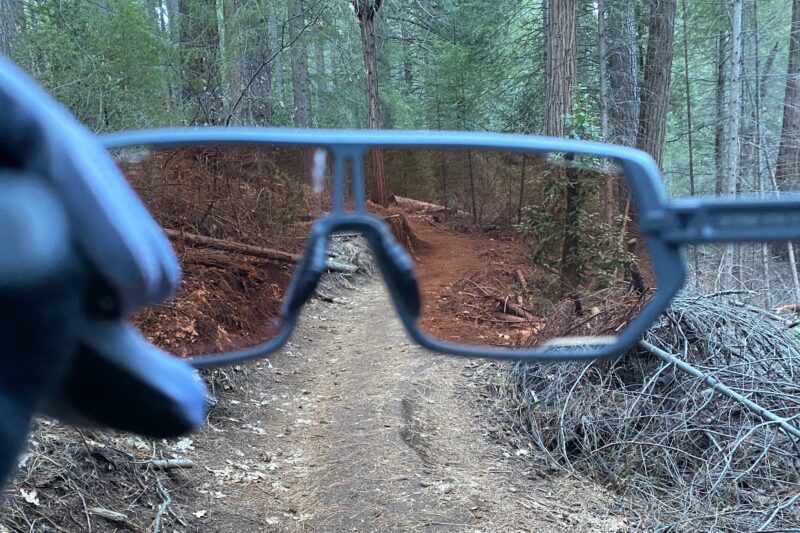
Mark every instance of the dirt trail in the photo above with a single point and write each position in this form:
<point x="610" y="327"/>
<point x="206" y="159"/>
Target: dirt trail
<point x="447" y="255"/>
<point x="354" y="428"/>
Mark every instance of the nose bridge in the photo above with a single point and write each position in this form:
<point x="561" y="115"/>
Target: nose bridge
<point x="396" y="265"/>
<point x="340" y="155"/>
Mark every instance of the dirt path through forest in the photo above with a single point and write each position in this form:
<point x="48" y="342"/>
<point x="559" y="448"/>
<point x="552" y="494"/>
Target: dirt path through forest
<point x="354" y="428"/>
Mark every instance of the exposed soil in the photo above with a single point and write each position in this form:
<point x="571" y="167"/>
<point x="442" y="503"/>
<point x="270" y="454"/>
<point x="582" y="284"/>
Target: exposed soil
<point x="447" y="266"/>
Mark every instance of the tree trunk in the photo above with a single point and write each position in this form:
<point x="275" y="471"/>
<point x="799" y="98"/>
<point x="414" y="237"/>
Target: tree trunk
<point x="521" y="189"/>
<point x="365" y="12"/>
<point x="199" y="41"/>
<point x="787" y="171"/>
<point x="230" y="56"/>
<point x="602" y="74"/>
<point x="10" y="21"/>
<point x="727" y="279"/>
<point x="322" y="70"/>
<point x="300" y="91"/>
<point x="607" y="191"/>
<point x="561" y="51"/>
<point x="623" y="72"/>
<point x="655" y="93"/>
<point x="408" y="73"/>
<point x="568" y="272"/>
<point x="734" y="103"/>
<point x="719" y="127"/>
<point x="688" y="104"/>
<point x="759" y="135"/>
<point x="561" y="57"/>
<point x="471" y="172"/>
<point x="276" y="43"/>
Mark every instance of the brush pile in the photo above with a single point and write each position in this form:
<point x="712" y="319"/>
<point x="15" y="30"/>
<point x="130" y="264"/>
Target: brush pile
<point x="684" y="456"/>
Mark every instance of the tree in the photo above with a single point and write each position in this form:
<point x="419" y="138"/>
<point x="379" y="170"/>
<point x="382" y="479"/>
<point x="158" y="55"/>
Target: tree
<point x="731" y="180"/>
<point x="365" y="12"/>
<point x="622" y="72"/>
<point x="602" y="74"/>
<point x="200" y="58"/>
<point x="10" y="20"/>
<point x="719" y="106"/>
<point x="787" y="172"/>
<point x="561" y="49"/>
<point x="658" y="69"/>
<point x="561" y="53"/>
<point x="300" y="89"/>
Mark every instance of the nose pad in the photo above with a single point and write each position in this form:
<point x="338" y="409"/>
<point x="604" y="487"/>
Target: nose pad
<point x="399" y="269"/>
<point x="307" y="275"/>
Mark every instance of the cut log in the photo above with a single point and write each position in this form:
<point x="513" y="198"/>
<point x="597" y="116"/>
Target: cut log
<point x="510" y="308"/>
<point x="415" y="205"/>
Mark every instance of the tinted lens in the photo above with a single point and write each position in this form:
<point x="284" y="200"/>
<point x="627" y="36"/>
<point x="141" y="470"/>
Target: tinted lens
<point x="237" y="216"/>
<point x="518" y="249"/>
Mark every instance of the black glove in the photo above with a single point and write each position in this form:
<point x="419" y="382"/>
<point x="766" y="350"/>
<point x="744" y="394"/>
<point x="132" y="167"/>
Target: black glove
<point x="78" y="254"/>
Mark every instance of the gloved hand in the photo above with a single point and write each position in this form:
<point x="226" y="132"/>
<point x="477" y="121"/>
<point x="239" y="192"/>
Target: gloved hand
<point x="78" y="254"/>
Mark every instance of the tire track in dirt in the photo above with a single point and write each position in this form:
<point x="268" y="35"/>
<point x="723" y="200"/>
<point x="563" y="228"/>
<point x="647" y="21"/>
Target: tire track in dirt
<point x="354" y="428"/>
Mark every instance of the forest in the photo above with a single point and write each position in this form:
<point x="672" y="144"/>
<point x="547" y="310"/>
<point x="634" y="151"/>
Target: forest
<point x="512" y="249"/>
<point x="711" y="90"/>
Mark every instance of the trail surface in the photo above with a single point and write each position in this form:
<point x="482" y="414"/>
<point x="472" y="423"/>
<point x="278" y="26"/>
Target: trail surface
<point x="354" y="428"/>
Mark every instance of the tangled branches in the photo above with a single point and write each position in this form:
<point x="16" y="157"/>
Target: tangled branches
<point x="695" y="459"/>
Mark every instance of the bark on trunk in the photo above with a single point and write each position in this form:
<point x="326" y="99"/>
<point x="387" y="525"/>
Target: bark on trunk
<point x="561" y="39"/>
<point x="655" y="93"/>
<point x="734" y="103"/>
<point x="322" y="70"/>
<point x="276" y="42"/>
<point x="603" y="53"/>
<point x="622" y="72"/>
<point x="728" y="278"/>
<point x="688" y="104"/>
<point x="199" y="41"/>
<point x="365" y="12"/>
<point x="569" y="250"/>
<point x="788" y="166"/>
<point x="10" y="22"/>
<point x="300" y="92"/>
<point x="719" y="103"/>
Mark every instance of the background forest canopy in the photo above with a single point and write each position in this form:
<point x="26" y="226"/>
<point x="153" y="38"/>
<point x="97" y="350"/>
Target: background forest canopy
<point x="702" y="86"/>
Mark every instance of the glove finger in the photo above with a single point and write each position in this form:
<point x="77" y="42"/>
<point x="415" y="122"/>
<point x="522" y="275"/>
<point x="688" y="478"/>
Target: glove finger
<point x="118" y="379"/>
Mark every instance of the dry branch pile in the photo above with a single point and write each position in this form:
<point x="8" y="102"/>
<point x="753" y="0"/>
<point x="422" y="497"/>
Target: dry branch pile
<point x="72" y="480"/>
<point x="688" y="457"/>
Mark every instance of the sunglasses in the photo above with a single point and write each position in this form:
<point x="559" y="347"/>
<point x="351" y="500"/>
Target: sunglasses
<point x="489" y="244"/>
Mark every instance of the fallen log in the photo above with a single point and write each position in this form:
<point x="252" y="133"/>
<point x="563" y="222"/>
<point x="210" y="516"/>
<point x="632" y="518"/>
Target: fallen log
<point x="253" y="251"/>
<point x="336" y="266"/>
<point x="109" y="515"/>
<point x="522" y="282"/>
<point x="167" y="464"/>
<point x="230" y="246"/>
<point x="415" y="205"/>
<point x="510" y="308"/>
<point x="510" y="319"/>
